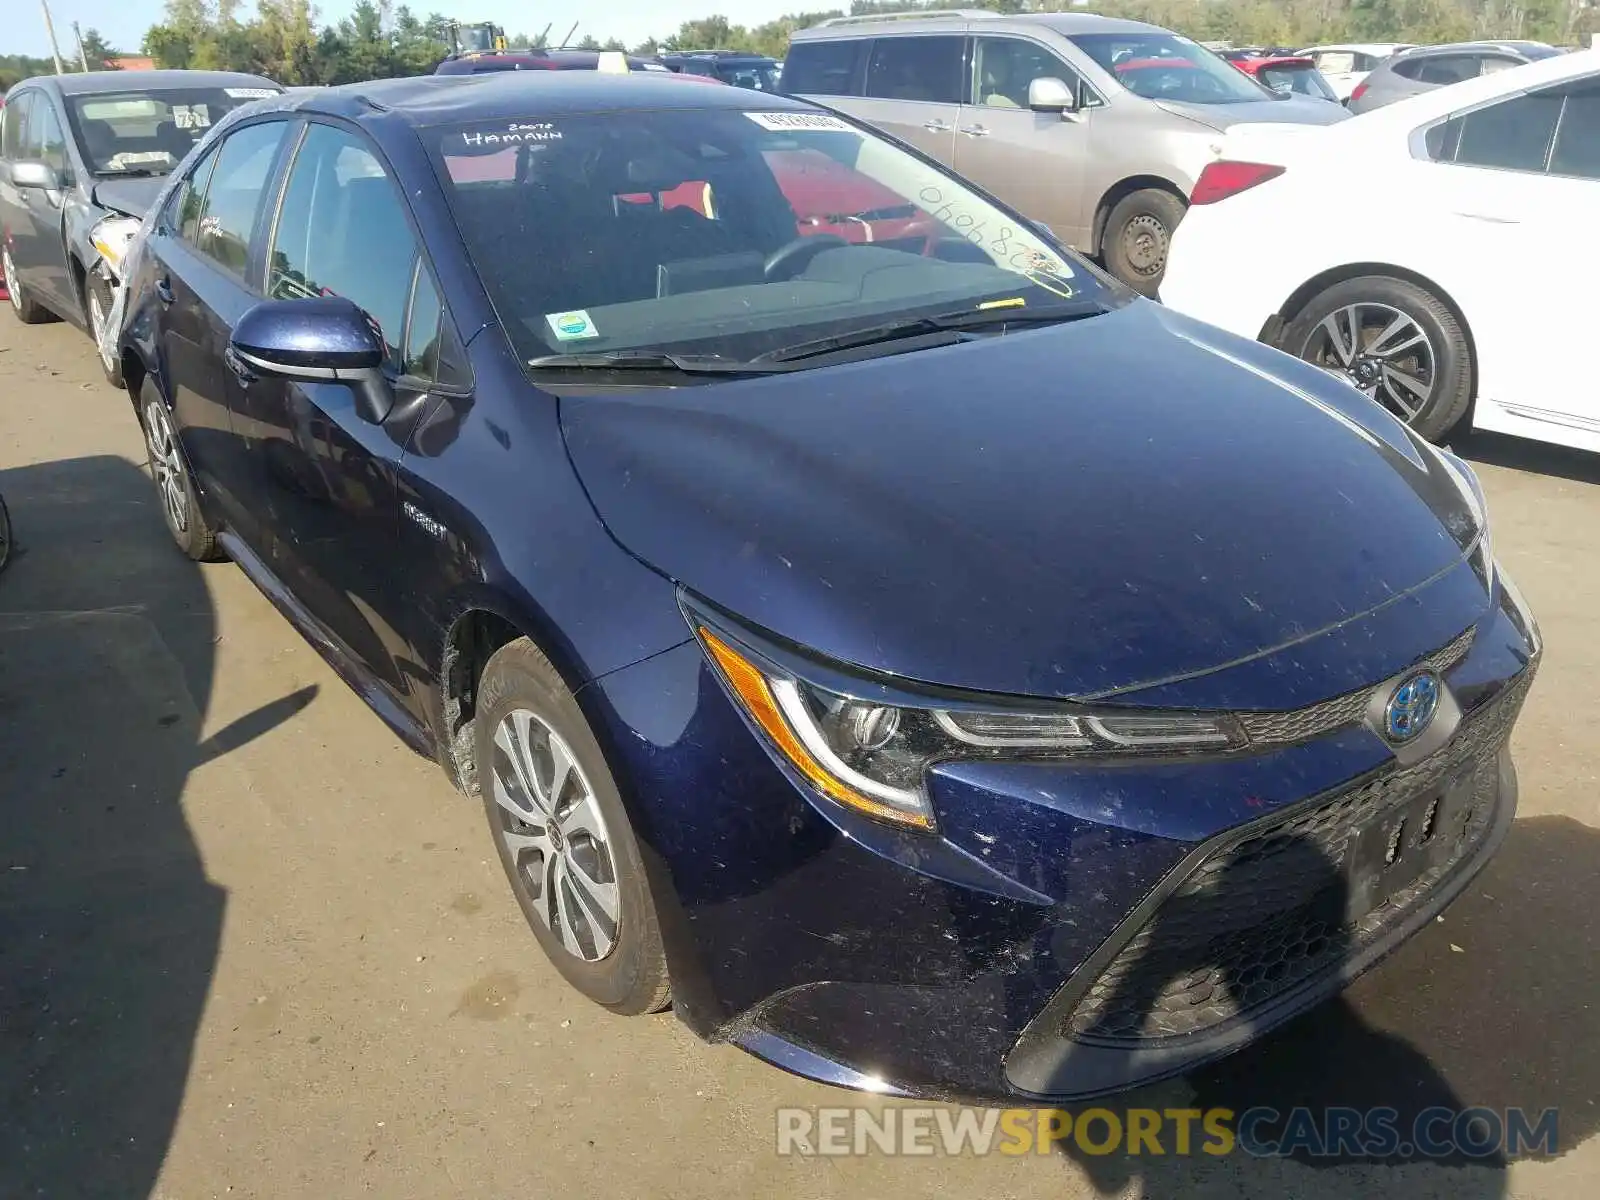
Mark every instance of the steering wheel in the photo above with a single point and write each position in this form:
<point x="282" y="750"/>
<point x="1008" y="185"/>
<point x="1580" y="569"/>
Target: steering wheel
<point x="789" y="259"/>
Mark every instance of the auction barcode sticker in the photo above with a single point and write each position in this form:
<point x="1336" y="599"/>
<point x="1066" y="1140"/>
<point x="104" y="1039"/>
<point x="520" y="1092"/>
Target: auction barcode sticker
<point x="800" y="122"/>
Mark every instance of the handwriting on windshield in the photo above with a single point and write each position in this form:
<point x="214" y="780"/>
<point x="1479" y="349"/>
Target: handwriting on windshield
<point x="1003" y="243"/>
<point x="514" y="134"/>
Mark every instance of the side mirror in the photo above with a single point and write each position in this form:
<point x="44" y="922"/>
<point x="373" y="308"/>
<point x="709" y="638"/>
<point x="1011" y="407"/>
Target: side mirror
<point x="1049" y="94"/>
<point x="327" y="340"/>
<point x="35" y="175"/>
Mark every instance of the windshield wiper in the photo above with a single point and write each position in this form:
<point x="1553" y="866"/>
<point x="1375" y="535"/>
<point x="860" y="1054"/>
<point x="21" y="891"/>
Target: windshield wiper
<point x="653" y="360"/>
<point x="960" y="321"/>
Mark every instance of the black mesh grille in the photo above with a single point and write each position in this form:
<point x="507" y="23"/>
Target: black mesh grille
<point x="1303" y="724"/>
<point x="1274" y="910"/>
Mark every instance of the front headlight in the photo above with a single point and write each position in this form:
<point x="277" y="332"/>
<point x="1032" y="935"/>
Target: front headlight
<point x="112" y="237"/>
<point x="1471" y="528"/>
<point x="873" y="756"/>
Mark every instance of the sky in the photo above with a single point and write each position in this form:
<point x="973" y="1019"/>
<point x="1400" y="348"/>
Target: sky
<point x="123" y="22"/>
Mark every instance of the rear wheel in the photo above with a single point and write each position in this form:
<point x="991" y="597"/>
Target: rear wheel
<point x="1394" y="340"/>
<point x="563" y="835"/>
<point x="1137" y="236"/>
<point x="27" y="310"/>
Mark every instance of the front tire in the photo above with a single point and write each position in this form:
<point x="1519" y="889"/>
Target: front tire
<point x="1397" y="342"/>
<point x="97" y="304"/>
<point x="1137" y="237"/>
<point x="27" y="310"/>
<point x="180" y="501"/>
<point x="563" y="835"/>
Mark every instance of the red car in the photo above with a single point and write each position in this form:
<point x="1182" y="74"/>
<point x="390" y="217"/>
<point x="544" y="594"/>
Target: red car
<point x="1287" y="73"/>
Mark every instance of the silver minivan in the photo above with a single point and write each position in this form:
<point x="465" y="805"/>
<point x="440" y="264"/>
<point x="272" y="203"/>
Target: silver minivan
<point x="1094" y="126"/>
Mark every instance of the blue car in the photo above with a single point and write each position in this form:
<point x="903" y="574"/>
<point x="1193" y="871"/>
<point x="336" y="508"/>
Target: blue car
<point x="870" y="630"/>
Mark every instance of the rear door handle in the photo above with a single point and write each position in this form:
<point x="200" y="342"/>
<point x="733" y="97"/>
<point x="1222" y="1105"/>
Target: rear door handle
<point x="937" y="127"/>
<point x="974" y="131"/>
<point x="164" y="290"/>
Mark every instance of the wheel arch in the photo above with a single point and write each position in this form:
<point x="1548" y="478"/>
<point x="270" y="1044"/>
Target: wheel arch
<point x="1122" y="189"/>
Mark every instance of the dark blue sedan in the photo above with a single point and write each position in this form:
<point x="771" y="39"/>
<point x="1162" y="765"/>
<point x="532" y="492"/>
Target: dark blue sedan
<point x="869" y="629"/>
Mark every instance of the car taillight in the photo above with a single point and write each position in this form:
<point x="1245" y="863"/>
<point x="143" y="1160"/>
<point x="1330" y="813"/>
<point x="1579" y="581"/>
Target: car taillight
<point x="1223" y="179"/>
<point x="1360" y="90"/>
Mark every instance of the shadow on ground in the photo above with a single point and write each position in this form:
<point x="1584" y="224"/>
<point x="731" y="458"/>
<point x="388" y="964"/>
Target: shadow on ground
<point x="1523" y="454"/>
<point x="109" y="927"/>
<point x="1492" y="1007"/>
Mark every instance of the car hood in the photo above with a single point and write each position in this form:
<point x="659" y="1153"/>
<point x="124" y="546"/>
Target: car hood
<point x="1294" y="110"/>
<point x="1063" y="512"/>
<point x="131" y="196"/>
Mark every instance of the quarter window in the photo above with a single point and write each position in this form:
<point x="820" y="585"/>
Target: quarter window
<point x="916" y="68"/>
<point x="342" y="231"/>
<point x="822" y="68"/>
<point x="424" y="326"/>
<point x="233" y="198"/>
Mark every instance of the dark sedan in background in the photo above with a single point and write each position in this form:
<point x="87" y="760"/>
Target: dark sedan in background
<point x="917" y="659"/>
<point x="81" y="159"/>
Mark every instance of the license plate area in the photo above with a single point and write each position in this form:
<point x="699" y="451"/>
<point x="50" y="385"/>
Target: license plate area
<point x="1392" y="851"/>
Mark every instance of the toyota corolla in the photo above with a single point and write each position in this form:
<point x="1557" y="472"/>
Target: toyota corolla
<point x="909" y="655"/>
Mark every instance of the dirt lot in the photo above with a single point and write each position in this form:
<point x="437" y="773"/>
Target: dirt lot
<point x="250" y="945"/>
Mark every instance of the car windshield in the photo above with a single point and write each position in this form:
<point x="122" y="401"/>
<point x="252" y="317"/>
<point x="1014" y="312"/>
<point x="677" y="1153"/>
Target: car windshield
<point x="719" y="232"/>
<point x="149" y="132"/>
<point x="1301" y="79"/>
<point x="1164" y="66"/>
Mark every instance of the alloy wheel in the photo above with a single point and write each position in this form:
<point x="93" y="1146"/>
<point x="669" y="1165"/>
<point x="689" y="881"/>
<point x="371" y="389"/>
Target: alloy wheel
<point x="555" y="836"/>
<point x="1380" y="349"/>
<point x="167" y="467"/>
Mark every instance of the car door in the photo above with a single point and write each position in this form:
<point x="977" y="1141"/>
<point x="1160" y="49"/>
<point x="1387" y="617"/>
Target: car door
<point x="1034" y="161"/>
<point x="914" y="89"/>
<point x="324" y="476"/>
<point x="40" y="251"/>
<point x="1521" y="182"/>
<point x="201" y="257"/>
<point x="16" y="221"/>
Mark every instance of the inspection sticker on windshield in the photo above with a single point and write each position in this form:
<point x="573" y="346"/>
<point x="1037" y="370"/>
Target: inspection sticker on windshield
<point x="250" y="93"/>
<point x="572" y="326"/>
<point x="800" y="122"/>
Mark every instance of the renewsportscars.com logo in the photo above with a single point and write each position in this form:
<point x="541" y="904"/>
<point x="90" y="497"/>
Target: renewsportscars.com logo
<point x="1260" y="1132"/>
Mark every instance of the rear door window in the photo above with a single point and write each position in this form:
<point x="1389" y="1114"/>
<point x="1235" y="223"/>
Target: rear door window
<point x="233" y="199"/>
<point x="823" y="68"/>
<point x="1577" y="148"/>
<point x="1513" y="135"/>
<point x="916" y="68"/>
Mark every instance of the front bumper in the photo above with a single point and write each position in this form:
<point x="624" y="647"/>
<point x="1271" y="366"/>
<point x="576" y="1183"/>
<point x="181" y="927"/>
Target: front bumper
<point x="1072" y="930"/>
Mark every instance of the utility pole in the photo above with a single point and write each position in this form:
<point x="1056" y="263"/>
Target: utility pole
<point x="50" y="28"/>
<point x="83" y="59"/>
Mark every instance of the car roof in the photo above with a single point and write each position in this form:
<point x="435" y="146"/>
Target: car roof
<point x="1359" y="47"/>
<point x="83" y="84"/>
<point x="879" y="24"/>
<point x="439" y="99"/>
<point x="1508" y="47"/>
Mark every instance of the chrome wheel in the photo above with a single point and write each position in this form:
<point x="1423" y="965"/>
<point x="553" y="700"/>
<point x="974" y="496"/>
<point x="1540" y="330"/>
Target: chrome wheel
<point x="167" y="467"/>
<point x="1144" y="244"/>
<point x="1380" y="349"/>
<point x="554" y="835"/>
<point x="12" y="287"/>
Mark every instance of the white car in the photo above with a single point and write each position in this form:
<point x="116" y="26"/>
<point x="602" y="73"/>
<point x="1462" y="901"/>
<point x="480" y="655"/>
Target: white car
<point x="1442" y="253"/>
<point x="1346" y="66"/>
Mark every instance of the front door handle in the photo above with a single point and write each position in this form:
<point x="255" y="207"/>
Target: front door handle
<point x="164" y="290"/>
<point x="974" y="131"/>
<point x="937" y="126"/>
